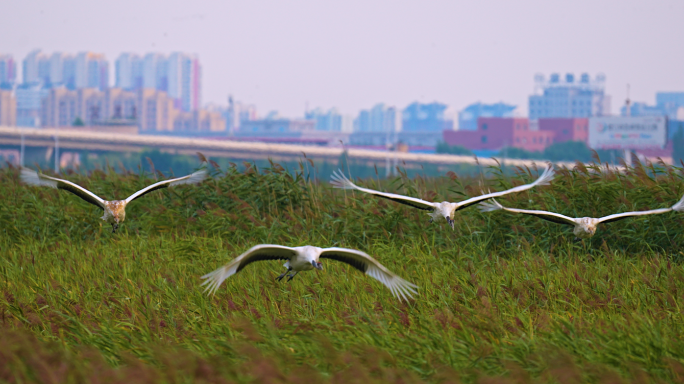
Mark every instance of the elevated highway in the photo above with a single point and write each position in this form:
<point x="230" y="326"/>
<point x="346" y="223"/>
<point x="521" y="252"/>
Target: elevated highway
<point x="73" y="139"/>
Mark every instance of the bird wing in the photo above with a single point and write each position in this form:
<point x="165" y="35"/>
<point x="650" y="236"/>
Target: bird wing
<point x="32" y="177"/>
<point x="192" y="178"/>
<point x="256" y="253"/>
<point x="339" y="180"/>
<point x="368" y="265"/>
<point x="544" y="179"/>
<point x="678" y="207"/>
<point x="624" y="215"/>
<point x="494" y="205"/>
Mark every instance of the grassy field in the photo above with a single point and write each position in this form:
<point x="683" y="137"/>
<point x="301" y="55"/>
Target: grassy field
<point x="502" y="298"/>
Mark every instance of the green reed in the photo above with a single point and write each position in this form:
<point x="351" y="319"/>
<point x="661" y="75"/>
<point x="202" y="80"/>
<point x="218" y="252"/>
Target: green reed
<point x="502" y="298"/>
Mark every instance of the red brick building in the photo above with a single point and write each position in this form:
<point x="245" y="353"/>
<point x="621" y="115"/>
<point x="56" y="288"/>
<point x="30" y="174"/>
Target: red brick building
<point x="497" y="132"/>
<point x="566" y="129"/>
<point x="494" y="133"/>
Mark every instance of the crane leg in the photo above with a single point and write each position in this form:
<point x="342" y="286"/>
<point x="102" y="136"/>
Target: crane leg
<point x="292" y="275"/>
<point x="280" y="277"/>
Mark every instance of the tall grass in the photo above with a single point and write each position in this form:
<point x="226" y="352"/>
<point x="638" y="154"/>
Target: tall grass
<point x="502" y="298"/>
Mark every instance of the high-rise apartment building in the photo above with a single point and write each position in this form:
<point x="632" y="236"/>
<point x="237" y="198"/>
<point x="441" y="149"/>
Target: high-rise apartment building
<point x="8" y="72"/>
<point x="362" y="121"/>
<point x="569" y="98"/>
<point x="62" y="107"/>
<point x="92" y="71"/>
<point x="379" y="119"/>
<point x="58" y="108"/>
<point x="420" y="117"/>
<point x="119" y="105"/>
<point x="69" y="71"/>
<point x="174" y="78"/>
<point x="43" y="69"/>
<point x="376" y="119"/>
<point x="155" y="72"/>
<point x="467" y="118"/>
<point x="184" y="80"/>
<point x="85" y="70"/>
<point x="30" y="66"/>
<point x="129" y="71"/>
<point x="156" y="79"/>
<point x="331" y="121"/>
<point x="162" y="75"/>
<point x="8" y="109"/>
<point x="56" y="68"/>
<point x="90" y="105"/>
<point x="179" y="75"/>
<point x="156" y="111"/>
<point x="29" y="96"/>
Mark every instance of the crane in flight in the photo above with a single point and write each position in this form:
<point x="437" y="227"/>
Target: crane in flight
<point x="114" y="210"/>
<point x="307" y="258"/>
<point x="584" y="227"/>
<point x="444" y="209"/>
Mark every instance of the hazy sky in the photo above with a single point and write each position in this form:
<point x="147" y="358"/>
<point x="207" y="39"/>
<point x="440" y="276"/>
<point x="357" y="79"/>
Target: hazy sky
<point x="352" y="54"/>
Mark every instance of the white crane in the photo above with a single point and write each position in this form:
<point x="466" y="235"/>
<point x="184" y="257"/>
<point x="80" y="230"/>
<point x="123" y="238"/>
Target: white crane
<point x="306" y="258"/>
<point x="115" y="210"/>
<point x="585" y="227"/>
<point x="444" y="209"/>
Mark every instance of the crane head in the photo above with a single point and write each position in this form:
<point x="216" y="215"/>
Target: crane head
<point x="317" y="265"/>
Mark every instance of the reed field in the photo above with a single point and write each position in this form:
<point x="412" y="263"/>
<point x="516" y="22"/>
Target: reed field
<point x="502" y="298"/>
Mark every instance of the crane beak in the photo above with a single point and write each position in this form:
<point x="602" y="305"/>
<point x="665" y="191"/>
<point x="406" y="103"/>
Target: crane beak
<point x="451" y="222"/>
<point x="317" y="265"/>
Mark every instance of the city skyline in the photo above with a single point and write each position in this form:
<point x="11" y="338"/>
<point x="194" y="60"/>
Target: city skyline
<point x="178" y="76"/>
<point x="353" y="55"/>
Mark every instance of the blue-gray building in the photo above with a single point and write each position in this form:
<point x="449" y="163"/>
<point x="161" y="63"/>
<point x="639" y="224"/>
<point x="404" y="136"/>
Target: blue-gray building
<point x="670" y="102"/>
<point x="425" y="117"/>
<point x="667" y="104"/>
<point x="331" y="121"/>
<point x="569" y="98"/>
<point x="467" y="118"/>
<point x="642" y="109"/>
<point x="362" y="122"/>
<point x="380" y="118"/>
<point x="673" y="126"/>
<point x="29" y="98"/>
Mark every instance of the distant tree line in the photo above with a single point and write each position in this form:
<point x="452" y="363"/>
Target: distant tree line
<point x="443" y="147"/>
<point x="565" y="151"/>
